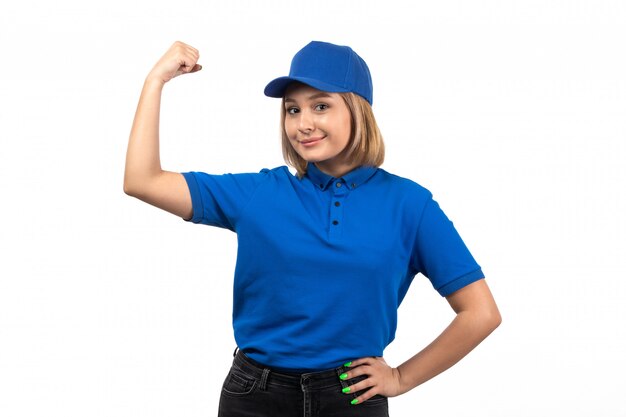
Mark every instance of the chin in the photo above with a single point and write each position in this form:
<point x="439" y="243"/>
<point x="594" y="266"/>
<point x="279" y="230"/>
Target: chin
<point x="311" y="158"/>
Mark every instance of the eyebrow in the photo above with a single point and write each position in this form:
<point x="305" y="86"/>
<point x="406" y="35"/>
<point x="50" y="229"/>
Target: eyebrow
<point x="312" y="97"/>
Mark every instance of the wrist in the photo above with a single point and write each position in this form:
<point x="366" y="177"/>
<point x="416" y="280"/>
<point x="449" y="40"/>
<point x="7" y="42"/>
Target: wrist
<point x="153" y="82"/>
<point x="401" y="383"/>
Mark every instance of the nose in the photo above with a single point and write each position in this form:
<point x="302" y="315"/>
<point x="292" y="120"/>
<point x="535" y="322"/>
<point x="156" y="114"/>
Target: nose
<point x="305" y="122"/>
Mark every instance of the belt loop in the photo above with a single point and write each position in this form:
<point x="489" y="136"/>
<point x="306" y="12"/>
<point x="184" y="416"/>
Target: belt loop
<point x="235" y="352"/>
<point x="263" y="385"/>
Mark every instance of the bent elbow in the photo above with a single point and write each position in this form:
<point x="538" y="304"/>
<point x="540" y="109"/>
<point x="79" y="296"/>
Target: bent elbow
<point x="130" y="189"/>
<point x="132" y="185"/>
<point x="493" y="319"/>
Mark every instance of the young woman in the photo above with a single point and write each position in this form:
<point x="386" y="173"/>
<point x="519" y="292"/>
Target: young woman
<point x="325" y="256"/>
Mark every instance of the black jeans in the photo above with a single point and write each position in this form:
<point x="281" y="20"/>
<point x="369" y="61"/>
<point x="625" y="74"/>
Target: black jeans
<point x="253" y="390"/>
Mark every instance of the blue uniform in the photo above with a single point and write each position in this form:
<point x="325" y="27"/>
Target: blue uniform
<point x="323" y="263"/>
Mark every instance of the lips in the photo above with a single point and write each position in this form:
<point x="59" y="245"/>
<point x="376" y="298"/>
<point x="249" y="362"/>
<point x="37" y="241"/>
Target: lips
<point x="311" y="141"/>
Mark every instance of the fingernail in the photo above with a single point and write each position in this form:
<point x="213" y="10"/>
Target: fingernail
<point x="354" y="402"/>
<point x="343" y="376"/>
<point x="347" y="364"/>
<point x="346" y="390"/>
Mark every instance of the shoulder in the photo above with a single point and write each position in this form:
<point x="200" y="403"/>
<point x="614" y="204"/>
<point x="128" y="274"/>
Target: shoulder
<point x="278" y="176"/>
<point x="281" y="171"/>
<point x="405" y="186"/>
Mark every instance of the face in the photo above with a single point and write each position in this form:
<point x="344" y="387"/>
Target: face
<point x="317" y="124"/>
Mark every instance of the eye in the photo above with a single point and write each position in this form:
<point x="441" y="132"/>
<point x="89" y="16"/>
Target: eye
<point x="292" y="110"/>
<point x="321" y="107"/>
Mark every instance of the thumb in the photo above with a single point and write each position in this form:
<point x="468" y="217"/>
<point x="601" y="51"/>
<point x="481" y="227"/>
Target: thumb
<point x="186" y="69"/>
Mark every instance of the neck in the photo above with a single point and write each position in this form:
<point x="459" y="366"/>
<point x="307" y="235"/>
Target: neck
<point x="335" y="170"/>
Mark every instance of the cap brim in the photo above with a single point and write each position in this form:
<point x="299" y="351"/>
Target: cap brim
<point x="277" y="87"/>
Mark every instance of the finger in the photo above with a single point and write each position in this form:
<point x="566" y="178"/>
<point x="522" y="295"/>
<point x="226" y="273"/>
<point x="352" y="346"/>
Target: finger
<point x="183" y="45"/>
<point x="358" y="362"/>
<point x="364" y="397"/>
<point x="354" y="372"/>
<point x="196" y="68"/>
<point x="191" y="56"/>
<point x="187" y="64"/>
<point x="193" y="50"/>
<point x="359" y="386"/>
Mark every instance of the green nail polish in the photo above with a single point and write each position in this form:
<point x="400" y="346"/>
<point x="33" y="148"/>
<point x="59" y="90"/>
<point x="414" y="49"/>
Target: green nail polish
<point x="346" y="390"/>
<point x="343" y="376"/>
<point x="354" y="402"/>
<point x="347" y="364"/>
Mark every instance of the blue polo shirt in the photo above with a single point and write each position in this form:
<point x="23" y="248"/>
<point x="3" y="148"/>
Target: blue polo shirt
<point x="323" y="263"/>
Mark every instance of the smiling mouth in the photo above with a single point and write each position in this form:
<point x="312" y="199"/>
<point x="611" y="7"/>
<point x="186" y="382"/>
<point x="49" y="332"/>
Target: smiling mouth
<point x="311" y="141"/>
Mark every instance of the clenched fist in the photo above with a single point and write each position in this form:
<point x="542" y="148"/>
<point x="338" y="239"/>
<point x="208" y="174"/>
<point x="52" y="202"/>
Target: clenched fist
<point x="179" y="59"/>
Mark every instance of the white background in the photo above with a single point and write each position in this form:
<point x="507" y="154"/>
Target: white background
<point x="511" y="113"/>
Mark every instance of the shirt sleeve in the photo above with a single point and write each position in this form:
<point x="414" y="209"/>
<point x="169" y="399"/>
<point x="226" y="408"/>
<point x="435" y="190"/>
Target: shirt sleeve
<point x="218" y="200"/>
<point x="440" y="253"/>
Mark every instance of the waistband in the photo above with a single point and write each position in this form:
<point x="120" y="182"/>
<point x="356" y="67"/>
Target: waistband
<point x="312" y="380"/>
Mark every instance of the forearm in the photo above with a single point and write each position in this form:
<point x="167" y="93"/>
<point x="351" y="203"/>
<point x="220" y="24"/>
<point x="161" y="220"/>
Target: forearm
<point x="465" y="332"/>
<point x="142" y="157"/>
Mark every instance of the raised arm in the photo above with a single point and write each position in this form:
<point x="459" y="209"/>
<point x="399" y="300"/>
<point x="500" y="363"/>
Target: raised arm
<point x="143" y="176"/>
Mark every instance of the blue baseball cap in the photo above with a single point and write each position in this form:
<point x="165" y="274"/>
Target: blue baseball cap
<point x="326" y="67"/>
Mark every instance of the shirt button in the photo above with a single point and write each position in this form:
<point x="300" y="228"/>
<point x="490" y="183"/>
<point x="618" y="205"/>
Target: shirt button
<point x="338" y="185"/>
<point x="335" y="222"/>
<point x="353" y="185"/>
<point x="337" y="203"/>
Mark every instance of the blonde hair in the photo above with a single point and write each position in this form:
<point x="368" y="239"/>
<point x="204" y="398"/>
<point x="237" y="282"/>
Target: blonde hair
<point x="365" y="147"/>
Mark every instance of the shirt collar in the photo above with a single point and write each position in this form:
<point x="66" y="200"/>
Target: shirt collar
<point x="353" y="179"/>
